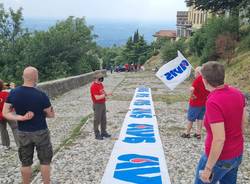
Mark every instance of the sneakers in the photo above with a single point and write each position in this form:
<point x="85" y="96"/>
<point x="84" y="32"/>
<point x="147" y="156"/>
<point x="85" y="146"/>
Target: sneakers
<point x="98" y="137"/>
<point x="198" y="136"/>
<point x="106" y="135"/>
<point x="185" y="135"/>
<point x="101" y="136"/>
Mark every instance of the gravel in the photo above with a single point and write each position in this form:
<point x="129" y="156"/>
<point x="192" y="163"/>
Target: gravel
<point x="84" y="160"/>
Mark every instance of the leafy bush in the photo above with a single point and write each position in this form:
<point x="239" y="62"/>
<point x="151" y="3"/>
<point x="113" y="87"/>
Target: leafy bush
<point x="169" y="49"/>
<point x="245" y="43"/>
<point x="66" y="49"/>
<point x="203" y="43"/>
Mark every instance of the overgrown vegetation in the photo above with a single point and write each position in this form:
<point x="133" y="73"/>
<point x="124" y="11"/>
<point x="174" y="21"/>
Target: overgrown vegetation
<point x="66" y="49"/>
<point x="225" y="38"/>
<point x="136" y="51"/>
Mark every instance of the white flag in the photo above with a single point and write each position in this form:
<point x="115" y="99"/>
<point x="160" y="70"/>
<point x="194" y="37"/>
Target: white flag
<point x="175" y="72"/>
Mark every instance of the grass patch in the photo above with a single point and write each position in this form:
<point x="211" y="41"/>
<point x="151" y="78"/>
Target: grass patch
<point x="169" y="99"/>
<point x="154" y="89"/>
<point x="194" y="60"/>
<point x="74" y="134"/>
<point x="67" y="142"/>
<point x="121" y="98"/>
<point x="237" y="73"/>
<point x="138" y="75"/>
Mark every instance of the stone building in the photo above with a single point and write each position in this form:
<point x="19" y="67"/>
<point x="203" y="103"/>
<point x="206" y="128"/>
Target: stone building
<point x="197" y="17"/>
<point x="183" y="26"/>
<point x="169" y="34"/>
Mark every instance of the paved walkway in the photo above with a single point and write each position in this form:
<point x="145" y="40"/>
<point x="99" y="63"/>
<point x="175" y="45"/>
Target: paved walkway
<point x="83" y="159"/>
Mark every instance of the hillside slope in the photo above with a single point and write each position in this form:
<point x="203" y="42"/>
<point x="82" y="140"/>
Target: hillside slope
<point x="153" y="62"/>
<point x="237" y="73"/>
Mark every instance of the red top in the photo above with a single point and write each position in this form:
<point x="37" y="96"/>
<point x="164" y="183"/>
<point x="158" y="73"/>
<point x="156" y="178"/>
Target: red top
<point x="226" y="106"/>
<point x="200" y="92"/>
<point x="3" y="97"/>
<point x="97" y="89"/>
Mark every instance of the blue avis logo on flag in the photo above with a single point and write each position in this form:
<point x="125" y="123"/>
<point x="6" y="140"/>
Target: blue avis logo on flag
<point x="175" y="72"/>
<point x="138" y="169"/>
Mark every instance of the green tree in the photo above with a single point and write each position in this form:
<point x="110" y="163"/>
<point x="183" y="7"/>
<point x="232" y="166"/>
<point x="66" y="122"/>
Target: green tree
<point x="216" y="5"/>
<point x="66" y="49"/>
<point x="203" y="42"/>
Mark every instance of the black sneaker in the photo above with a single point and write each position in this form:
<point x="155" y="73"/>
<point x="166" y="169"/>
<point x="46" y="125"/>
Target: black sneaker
<point x="106" y="135"/>
<point x="98" y="137"/>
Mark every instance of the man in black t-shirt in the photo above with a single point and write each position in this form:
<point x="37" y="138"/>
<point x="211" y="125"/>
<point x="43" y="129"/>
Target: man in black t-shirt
<point x="31" y="106"/>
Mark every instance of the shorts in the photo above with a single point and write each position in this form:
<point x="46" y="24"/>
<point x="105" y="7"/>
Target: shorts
<point x="195" y="113"/>
<point x="29" y="141"/>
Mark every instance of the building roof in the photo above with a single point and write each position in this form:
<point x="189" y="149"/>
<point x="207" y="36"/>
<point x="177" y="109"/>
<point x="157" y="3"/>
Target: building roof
<point x="165" y="33"/>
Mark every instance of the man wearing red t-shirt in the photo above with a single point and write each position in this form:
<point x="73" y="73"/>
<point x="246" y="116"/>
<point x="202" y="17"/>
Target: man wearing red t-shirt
<point x="197" y="103"/>
<point x="98" y="96"/>
<point x="3" y="122"/>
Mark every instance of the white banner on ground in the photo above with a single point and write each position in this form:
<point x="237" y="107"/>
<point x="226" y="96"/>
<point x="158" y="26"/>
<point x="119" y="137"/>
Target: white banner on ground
<point x="175" y="72"/>
<point x="137" y="156"/>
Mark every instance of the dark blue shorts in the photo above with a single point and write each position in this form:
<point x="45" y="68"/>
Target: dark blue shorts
<point x="195" y="113"/>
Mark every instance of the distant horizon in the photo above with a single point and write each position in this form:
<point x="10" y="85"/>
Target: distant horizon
<point x="110" y="32"/>
<point x="103" y="19"/>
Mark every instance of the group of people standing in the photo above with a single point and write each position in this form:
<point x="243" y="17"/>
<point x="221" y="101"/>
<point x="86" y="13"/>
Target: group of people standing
<point x="221" y="109"/>
<point x="26" y="108"/>
<point x="217" y="106"/>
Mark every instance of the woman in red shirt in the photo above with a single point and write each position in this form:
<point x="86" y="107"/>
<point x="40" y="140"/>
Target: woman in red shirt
<point x="224" y="122"/>
<point x="3" y="122"/>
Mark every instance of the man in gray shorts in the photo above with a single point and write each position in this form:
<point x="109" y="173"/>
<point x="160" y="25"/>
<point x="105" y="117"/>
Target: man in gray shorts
<point x="32" y="106"/>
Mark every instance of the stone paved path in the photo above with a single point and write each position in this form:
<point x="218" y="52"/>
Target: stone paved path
<point x="70" y="109"/>
<point x="83" y="159"/>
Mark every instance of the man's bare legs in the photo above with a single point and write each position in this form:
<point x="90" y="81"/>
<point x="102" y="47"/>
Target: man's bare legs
<point x="45" y="171"/>
<point x="26" y="174"/>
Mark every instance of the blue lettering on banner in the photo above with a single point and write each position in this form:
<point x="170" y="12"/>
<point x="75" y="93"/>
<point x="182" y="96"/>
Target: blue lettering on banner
<point x="138" y="169"/>
<point x="142" y="102"/>
<point x="141" y="113"/>
<point x="141" y="95"/>
<point x="140" y="133"/>
<point x="179" y="70"/>
<point x="143" y="89"/>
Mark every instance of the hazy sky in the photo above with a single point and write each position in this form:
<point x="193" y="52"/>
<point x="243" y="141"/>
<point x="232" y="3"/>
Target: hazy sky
<point x="142" y="10"/>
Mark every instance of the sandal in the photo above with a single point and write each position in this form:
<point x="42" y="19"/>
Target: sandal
<point x="184" y="135"/>
<point x="198" y="136"/>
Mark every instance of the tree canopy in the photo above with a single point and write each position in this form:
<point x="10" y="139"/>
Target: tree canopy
<point x="218" y="5"/>
<point x="66" y="49"/>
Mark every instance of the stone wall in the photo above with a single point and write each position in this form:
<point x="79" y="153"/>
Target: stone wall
<point x="61" y="86"/>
